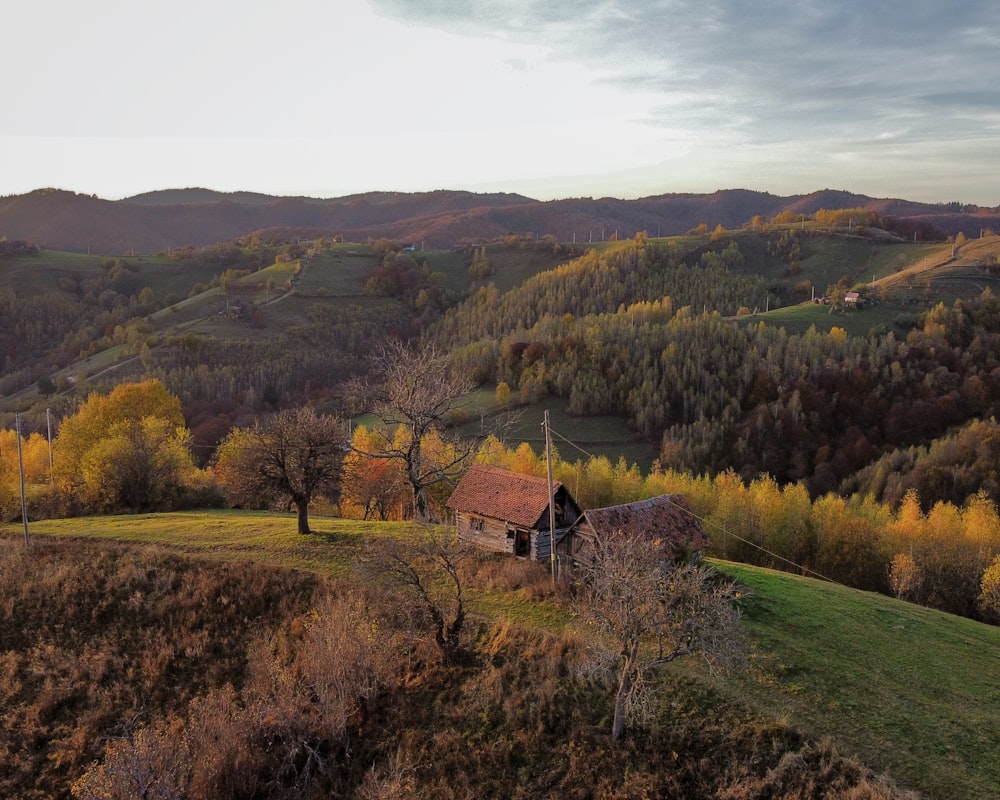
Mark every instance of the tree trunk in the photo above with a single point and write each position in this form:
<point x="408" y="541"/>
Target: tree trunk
<point x="302" y="507"/>
<point x="626" y="685"/>
<point x="420" y="509"/>
<point x="624" y="689"/>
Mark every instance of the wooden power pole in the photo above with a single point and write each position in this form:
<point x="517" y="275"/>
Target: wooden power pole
<point x="552" y="498"/>
<point x="20" y="463"/>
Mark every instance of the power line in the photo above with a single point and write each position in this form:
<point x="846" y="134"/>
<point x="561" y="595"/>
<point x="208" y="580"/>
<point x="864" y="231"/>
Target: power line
<point x="802" y="569"/>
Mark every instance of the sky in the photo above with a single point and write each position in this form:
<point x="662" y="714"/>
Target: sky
<point x="577" y="98"/>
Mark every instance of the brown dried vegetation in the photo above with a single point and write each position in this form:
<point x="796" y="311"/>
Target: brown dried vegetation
<point x="126" y="672"/>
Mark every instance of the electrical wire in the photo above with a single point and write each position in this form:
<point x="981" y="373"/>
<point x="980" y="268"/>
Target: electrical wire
<point x="802" y="569"/>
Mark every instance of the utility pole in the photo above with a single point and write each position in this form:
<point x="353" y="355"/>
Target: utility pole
<point x="20" y="462"/>
<point x="552" y="498"/>
<point x="48" y="425"/>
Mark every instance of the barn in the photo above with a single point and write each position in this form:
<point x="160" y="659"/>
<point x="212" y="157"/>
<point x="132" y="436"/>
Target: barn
<point x="508" y="512"/>
<point x="666" y="519"/>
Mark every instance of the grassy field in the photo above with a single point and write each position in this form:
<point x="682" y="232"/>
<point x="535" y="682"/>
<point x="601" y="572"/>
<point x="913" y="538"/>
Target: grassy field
<point x="337" y="272"/>
<point x="38" y="274"/>
<point x="829" y="259"/>
<point x="915" y="691"/>
<point x="798" y="318"/>
<point x="574" y="438"/>
<point x="911" y="691"/>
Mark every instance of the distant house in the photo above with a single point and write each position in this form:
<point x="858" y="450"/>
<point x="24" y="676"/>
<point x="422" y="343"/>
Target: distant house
<point x="853" y="299"/>
<point x="508" y="512"/>
<point x="667" y="520"/>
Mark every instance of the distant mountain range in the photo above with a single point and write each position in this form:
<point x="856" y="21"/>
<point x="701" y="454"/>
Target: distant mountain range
<point x="156" y="221"/>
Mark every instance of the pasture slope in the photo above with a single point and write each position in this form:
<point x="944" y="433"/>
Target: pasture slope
<point x="912" y="692"/>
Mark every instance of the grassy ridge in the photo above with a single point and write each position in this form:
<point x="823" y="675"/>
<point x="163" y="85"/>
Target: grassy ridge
<point x="910" y="690"/>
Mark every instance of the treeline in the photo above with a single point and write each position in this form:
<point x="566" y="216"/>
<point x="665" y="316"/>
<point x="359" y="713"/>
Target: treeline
<point x="16" y="248"/>
<point x="950" y="468"/>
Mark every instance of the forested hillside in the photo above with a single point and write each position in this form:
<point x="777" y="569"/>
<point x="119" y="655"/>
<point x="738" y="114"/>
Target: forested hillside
<point x="670" y="334"/>
<point x="821" y="387"/>
<point x="642" y="329"/>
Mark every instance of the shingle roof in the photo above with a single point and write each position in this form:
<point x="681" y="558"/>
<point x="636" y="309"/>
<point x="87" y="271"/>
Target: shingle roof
<point x="667" y="518"/>
<point x="501" y="494"/>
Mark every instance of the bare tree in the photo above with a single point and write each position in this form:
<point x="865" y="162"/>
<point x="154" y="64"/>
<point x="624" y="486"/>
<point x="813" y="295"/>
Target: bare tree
<point x="655" y="612"/>
<point x="294" y="456"/>
<point x="144" y="763"/>
<point x="425" y="567"/>
<point x="415" y="392"/>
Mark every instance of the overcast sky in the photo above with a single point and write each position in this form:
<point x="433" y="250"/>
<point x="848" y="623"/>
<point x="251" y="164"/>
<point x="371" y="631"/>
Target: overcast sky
<point x="550" y="99"/>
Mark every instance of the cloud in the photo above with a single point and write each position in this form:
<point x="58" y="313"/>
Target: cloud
<point x="665" y="94"/>
<point x="800" y="64"/>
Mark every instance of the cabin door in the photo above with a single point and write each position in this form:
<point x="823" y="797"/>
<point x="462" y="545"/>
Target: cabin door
<point x="522" y="544"/>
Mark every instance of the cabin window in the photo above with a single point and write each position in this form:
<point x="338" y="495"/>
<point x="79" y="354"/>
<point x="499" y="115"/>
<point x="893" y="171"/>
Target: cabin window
<point x="477" y="524"/>
<point x="522" y="546"/>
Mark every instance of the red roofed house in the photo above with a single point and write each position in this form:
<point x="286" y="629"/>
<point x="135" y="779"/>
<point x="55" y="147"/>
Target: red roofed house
<point x="508" y="512"/>
<point x="667" y="519"/>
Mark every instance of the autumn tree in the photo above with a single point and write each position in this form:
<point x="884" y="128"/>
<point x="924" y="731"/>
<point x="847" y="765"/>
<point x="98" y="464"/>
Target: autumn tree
<point x="35" y="456"/>
<point x="127" y="450"/>
<point x="481" y="268"/>
<point x="414" y="392"/>
<point x="140" y="465"/>
<point x="905" y="577"/>
<point x="371" y="487"/>
<point x="292" y="457"/>
<point x="655" y="611"/>
<point x="989" y="594"/>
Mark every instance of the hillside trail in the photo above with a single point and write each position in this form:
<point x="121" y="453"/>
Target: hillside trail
<point x="303" y="270"/>
<point x="973" y="253"/>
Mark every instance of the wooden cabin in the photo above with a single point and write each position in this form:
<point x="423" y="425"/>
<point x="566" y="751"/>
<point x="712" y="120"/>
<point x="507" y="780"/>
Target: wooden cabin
<point x="667" y="519"/>
<point x="508" y="512"/>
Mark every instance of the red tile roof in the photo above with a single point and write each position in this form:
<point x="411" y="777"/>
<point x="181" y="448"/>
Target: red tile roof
<point x="668" y="518"/>
<point x="501" y="494"/>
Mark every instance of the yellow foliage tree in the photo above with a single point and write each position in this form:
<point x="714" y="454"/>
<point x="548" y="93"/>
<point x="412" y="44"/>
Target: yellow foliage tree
<point x="35" y="452"/>
<point x="909" y="524"/>
<point x="140" y="465"/>
<point x="989" y="594"/>
<point x="127" y="450"/>
<point x="981" y="523"/>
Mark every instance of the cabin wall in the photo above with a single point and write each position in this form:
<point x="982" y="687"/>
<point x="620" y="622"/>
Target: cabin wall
<point x="541" y="546"/>
<point x="483" y="532"/>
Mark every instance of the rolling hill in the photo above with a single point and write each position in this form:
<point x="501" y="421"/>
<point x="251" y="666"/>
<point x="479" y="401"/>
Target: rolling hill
<point x="157" y="221"/>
